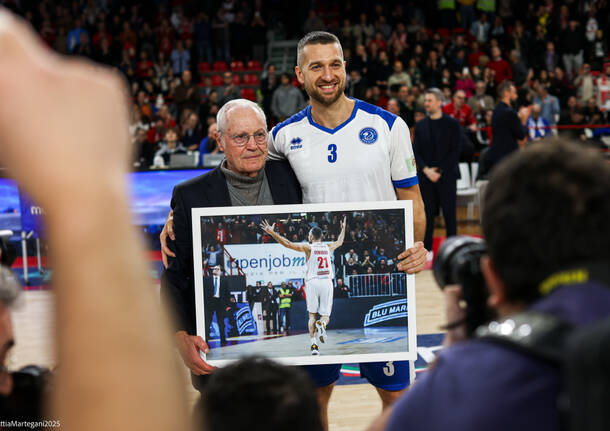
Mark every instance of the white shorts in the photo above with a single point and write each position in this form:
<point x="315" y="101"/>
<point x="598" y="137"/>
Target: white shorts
<point x="319" y="296"/>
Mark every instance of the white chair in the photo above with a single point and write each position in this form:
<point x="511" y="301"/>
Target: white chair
<point x="466" y="190"/>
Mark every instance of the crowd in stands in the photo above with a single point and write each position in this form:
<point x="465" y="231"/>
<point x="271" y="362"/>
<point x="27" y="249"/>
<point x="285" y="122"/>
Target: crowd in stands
<point x="184" y="60"/>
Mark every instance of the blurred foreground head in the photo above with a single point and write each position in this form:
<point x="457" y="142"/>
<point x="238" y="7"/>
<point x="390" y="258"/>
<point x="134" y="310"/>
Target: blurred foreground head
<point x="545" y="209"/>
<point x="258" y="394"/>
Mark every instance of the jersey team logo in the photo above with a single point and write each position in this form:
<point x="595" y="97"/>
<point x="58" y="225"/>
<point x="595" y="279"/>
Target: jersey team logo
<point x="368" y="135"/>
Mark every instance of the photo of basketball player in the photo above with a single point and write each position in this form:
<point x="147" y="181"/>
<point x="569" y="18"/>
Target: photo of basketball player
<point x="318" y="278"/>
<point x="341" y="311"/>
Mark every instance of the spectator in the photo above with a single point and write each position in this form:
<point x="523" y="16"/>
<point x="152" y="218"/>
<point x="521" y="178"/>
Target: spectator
<point x="186" y="95"/>
<point x="406" y="103"/>
<point x="480" y="101"/>
<point x="393" y="107"/>
<point x="467" y="13"/>
<point x="561" y="86"/>
<point x="465" y="82"/>
<point x="603" y="89"/>
<point x="341" y="290"/>
<point x="366" y="263"/>
<point x="181" y="58"/>
<point x="549" y="104"/>
<point x="538" y="127"/>
<point x="229" y="91"/>
<point x="572" y="43"/>
<point x="518" y="68"/>
<point x="585" y="84"/>
<point x="399" y="76"/>
<point x="221" y="35"/>
<point x="170" y="146"/>
<point x="357" y="85"/>
<point x="313" y="23"/>
<point x="74" y="35"/>
<point x="191" y="131"/>
<point x="269" y="83"/>
<point x="459" y="110"/>
<point x="287" y="99"/>
<point x="480" y="29"/>
<point x="501" y="68"/>
<point x="507" y="129"/>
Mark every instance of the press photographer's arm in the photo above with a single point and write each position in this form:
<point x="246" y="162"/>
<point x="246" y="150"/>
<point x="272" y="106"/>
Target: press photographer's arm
<point x="64" y="129"/>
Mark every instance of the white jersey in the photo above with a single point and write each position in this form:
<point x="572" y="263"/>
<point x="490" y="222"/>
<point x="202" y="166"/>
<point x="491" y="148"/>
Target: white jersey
<point x="319" y="264"/>
<point x="363" y="159"/>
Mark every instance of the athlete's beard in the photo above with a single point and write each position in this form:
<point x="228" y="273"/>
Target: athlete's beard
<point x="313" y="92"/>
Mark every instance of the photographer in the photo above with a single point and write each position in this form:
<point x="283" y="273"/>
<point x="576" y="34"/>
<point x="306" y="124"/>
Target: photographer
<point x="546" y="228"/>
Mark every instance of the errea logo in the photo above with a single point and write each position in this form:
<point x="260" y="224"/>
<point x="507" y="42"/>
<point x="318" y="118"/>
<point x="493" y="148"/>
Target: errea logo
<point x="295" y="143"/>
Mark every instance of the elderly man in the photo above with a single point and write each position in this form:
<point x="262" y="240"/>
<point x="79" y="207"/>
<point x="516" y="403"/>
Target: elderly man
<point x="242" y="178"/>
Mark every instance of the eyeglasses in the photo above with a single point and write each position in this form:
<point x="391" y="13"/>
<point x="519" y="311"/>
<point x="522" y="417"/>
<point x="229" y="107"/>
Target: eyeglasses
<point x="242" y="139"/>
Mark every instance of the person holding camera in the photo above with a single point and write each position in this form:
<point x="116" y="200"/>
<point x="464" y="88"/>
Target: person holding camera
<point x="546" y="228"/>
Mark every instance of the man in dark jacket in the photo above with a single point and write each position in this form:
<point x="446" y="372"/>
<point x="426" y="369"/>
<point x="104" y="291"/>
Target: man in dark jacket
<point x="437" y="146"/>
<point x="243" y="178"/>
<point x="507" y="128"/>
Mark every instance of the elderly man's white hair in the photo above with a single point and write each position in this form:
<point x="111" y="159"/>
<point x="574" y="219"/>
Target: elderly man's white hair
<point x="9" y="287"/>
<point x="221" y="117"/>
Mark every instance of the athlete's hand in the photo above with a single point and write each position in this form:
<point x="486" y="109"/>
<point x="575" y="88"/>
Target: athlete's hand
<point x="168" y="231"/>
<point x="189" y="347"/>
<point x="413" y="260"/>
<point x="344" y="223"/>
<point x="266" y="227"/>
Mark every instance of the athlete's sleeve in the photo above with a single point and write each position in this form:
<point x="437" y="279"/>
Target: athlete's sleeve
<point x="402" y="161"/>
<point x="274" y="142"/>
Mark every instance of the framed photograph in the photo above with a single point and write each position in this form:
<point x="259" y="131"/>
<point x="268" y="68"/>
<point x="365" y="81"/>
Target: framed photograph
<point x="305" y="284"/>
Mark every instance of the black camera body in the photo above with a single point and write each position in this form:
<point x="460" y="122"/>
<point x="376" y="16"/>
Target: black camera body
<point x="459" y="262"/>
<point x="31" y="386"/>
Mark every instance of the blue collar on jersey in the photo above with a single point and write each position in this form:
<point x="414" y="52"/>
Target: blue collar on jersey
<point x="340" y="126"/>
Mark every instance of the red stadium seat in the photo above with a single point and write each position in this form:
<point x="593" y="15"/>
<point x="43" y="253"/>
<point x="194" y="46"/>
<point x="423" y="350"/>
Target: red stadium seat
<point x="295" y="82"/>
<point x="217" y="81"/>
<point x="248" y="93"/>
<point x="237" y="66"/>
<point x="203" y="66"/>
<point x="236" y="79"/>
<point x="251" y="79"/>
<point x="220" y="66"/>
<point x="254" y="66"/>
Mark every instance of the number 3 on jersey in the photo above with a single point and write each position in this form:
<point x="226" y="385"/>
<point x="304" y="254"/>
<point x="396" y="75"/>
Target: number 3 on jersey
<point x="332" y="153"/>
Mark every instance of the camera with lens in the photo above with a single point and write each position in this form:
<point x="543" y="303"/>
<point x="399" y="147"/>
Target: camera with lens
<point x="459" y="262"/>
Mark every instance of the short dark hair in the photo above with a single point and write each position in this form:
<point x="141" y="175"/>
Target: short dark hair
<point x="316" y="232"/>
<point x="259" y="391"/>
<point x="546" y="208"/>
<point x="316" y="38"/>
<point x="504" y="87"/>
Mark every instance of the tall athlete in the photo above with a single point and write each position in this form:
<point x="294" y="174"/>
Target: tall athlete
<point x="318" y="278"/>
<point x="344" y="149"/>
